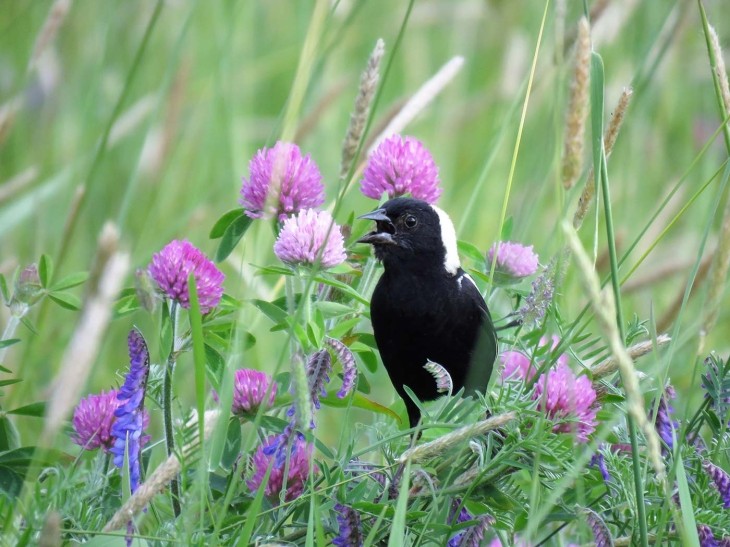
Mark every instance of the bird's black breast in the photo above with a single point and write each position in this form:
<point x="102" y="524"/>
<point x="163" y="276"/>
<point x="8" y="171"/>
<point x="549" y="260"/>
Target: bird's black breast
<point x="441" y="317"/>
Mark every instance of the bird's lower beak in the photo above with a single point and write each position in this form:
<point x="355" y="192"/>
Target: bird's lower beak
<point x="384" y="233"/>
<point x="377" y="238"/>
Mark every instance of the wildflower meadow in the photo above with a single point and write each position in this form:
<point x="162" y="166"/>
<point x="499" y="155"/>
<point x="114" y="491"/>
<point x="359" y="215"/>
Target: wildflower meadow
<point x="187" y="356"/>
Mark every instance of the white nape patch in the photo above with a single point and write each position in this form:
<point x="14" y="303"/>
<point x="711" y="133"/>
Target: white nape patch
<point x="448" y="238"/>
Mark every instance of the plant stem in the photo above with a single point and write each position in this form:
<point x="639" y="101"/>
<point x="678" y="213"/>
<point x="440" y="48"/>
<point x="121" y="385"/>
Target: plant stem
<point x="167" y="409"/>
<point x="13" y="322"/>
<point x="616" y="285"/>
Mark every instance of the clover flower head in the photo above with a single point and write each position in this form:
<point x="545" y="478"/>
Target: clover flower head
<point x="282" y="182"/>
<point x="93" y="419"/>
<point x="398" y="166"/>
<point x="249" y="392"/>
<point x="721" y="480"/>
<point x="512" y="261"/>
<point x="350" y="529"/>
<point x="171" y="267"/>
<point x="310" y="236"/>
<point x="300" y="452"/>
<point x="517" y="366"/>
<point x="562" y="396"/>
<point x="131" y="418"/>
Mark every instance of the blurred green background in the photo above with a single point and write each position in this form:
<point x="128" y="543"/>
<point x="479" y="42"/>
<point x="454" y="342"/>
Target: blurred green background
<point x="187" y="111"/>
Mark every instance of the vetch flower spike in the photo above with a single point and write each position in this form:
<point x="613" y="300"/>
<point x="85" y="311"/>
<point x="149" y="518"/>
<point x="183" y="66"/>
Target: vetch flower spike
<point x="350" y="529"/>
<point x="130" y="422"/>
<point x="282" y="182"/>
<point x="171" y="267"/>
<point x="665" y="425"/>
<point x="441" y="376"/>
<point x="399" y="166"/>
<point x="349" y="366"/>
<point x="721" y="480"/>
<point x="309" y="237"/>
<point x="512" y="261"/>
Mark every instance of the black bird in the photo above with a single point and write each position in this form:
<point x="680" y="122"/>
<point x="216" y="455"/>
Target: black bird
<point x="424" y="305"/>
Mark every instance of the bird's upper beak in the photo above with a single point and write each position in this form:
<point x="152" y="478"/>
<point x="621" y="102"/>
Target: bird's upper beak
<point x="383" y="235"/>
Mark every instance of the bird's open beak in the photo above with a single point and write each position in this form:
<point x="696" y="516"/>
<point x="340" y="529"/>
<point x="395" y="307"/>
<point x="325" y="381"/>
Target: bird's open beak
<point x="383" y="235"/>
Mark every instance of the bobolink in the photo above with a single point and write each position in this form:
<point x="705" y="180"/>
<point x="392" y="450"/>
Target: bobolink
<point x="425" y="307"/>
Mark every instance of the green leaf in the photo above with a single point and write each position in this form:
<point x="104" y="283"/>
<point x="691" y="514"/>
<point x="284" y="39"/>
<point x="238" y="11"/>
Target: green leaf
<point x="222" y="224"/>
<point x="9" y="437"/>
<point x="9" y="342"/>
<point x="232" y="446"/>
<point x="688" y="511"/>
<point x="273" y="270"/>
<point x="66" y="300"/>
<point x="37" y="410"/>
<point x="398" y="528"/>
<point x="359" y="401"/>
<point x="10" y="481"/>
<point x="343" y="327"/>
<point x="72" y="280"/>
<point x="126" y="305"/>
<point x="332" y="309"/>
<point x="272" y="311"/>
<point x="10" y="382"/>
<point x="344" y="287"/>
<point x="45" y="270"/>
<point x="233" y="234"/>
<point x="471" y="251"/>
<point x="4" y="291"/>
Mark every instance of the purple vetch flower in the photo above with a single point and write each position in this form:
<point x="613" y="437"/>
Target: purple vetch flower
<point x="130" y="422"/>
<point x="706" y="537"/>
<point x="474" y="535"/>
<point x="350" y="530"/>
<point x="444" y="383"/>
<point x="319" y="368"/>
<point x="599" y="460"/>
<point x="171" y="267"/>
<point x="601" y="535"/>
<point x="308" y="237"/>
<point x="665" y="425"/>
<point x="93" y="419"/>
<point x="349" y="366"/>
<point x="571" y="400"/>
<point x="398" y="166"/>
<point x="300" y="452"/>
<point x="282" y="182"/>
<point x="538" y="301"/>
<point x="249" y="392"/>
<point x="513" y="261"/>
<point x="463" y="515"/>
<point x="721" y="480"/>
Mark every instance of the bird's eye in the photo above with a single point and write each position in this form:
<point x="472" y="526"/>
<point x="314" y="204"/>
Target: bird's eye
<point x="410" y="221"/>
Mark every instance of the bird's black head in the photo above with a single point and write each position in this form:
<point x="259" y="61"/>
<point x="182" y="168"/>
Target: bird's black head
<point x="414" y="235"/>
